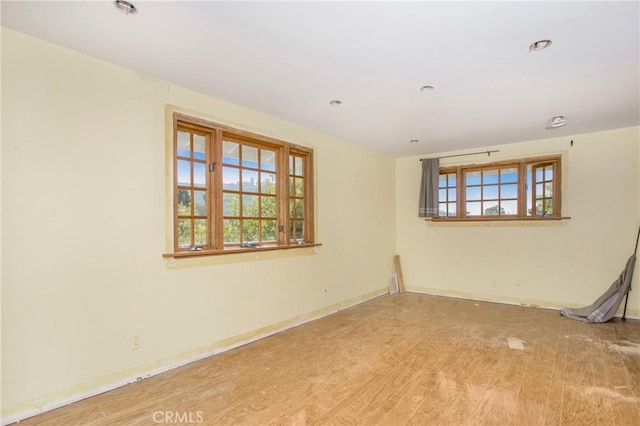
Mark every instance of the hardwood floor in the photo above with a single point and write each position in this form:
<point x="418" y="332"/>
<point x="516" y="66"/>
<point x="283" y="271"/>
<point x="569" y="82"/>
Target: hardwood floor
<point x="402" y="359"/>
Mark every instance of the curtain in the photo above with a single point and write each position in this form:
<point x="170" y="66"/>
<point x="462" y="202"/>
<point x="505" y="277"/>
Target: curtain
<point x="428" y="206"/>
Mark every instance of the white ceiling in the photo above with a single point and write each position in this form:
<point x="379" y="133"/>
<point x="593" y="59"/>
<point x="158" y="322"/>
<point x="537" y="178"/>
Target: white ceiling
<point x="289" y="59"/>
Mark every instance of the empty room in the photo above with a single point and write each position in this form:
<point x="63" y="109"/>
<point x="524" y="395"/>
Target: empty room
<point x="310" y="213"/>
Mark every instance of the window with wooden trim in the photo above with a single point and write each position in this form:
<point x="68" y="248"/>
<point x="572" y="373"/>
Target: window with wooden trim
<point x="523" y="189"/>
<point x="237" y="191"/>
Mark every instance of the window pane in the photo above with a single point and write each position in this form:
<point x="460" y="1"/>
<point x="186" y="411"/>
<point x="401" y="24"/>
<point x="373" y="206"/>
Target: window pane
<point x="299" y="230"/>
<point x="548" y="173"/>
<point x="442" y="194"/>
<point x="184" y="172"/>
<point x="509" y="191"/>
<point x="299" y="166"/>
<point x="442" y="181"/>
<point x="267" y="183"/>
<point x="231" y="178"/>
<point x="490" y="192"/>
<point x="230" y="153"/>
<point x="198" y="147"/>
<point x="249" y="181"/>
<point x="184" y="202"/>
<point x="490" y="208"/>
<point x="250" y="206"/>
<point x="292" y="186"/>
<point x="299" y="187"/>
<point x="548" y="206"/>
<point x="267" y="160"/>
<point x="548" y="189"/>
<point x="250" y="230"/>
<point x="509" y="175"/>
<point x="184" y="232"/>
<point x="509" y="207"/>
<point x="291" y="167"/>
<point x="199" y="176"/>
<point x="530" y="206"/>
<point x="184" y="144"/>
<point x="452" y="194"/>
<point x="200" y="232"/>
<point x="230" y="204"/>
<point x="249" y="156"/>
<point x="490" y="176"/>
<point x="539" y="190"/>
<point x="473" y="193"/>
<point x="299" y="208"/>
<point x="539" y="175"/>
<point x="442" y="209"/>
<point x="268" y="230"/>
<point x="231" y="228"/>
<point x="452" y="209"/>
<point x="199" y="203"/>
<point x="473" y="178"/>
<point x="268" y="207"/>
<point x="474" y="209"/>
<point x="452" y="179"/>
<point x="539" y="208"/>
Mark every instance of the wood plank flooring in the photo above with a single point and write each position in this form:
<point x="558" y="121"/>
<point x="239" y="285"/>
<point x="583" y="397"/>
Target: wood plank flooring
<point x="404" y="359"/>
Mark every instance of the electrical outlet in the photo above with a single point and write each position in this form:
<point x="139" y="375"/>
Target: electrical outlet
<point x="324" y="293"/>
<point x="135" y="342"/>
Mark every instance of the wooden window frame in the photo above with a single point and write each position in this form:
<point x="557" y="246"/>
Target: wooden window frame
<point x="216" y="134"/>
<point x="522" y="199"/>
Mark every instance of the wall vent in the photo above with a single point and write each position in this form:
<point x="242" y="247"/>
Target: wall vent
<point x="393" y="284"/>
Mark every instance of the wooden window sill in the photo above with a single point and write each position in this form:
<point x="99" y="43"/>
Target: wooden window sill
<point x="502" y="219"/>
<point x="236" y="250"/>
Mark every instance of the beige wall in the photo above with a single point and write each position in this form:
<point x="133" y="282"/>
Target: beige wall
<point x="85" y="223"/>
<point x="553" y="264"/>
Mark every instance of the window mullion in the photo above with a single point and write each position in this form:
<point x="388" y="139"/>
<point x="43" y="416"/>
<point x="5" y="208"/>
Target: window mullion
<point x="462" y="192"/>
<point x="215" y="190"/>
<point x="534" y="192"/>
<point x="309" y="231"/>
<point x="282" y="213"/>
<point x="522" y="189"/>
<point x="192" y="191"/>
<point x="556" y="187"/>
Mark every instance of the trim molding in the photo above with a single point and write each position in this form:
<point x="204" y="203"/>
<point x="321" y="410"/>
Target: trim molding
<point x="530" y="303"/>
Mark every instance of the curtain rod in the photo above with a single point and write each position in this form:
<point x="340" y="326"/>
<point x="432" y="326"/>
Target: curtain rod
<point x="462" y="155"/>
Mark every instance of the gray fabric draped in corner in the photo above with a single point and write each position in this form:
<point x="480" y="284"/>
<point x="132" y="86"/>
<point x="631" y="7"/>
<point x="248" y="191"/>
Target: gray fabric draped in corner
<point x="428" y="206"/>
<point x="605" y="308"/>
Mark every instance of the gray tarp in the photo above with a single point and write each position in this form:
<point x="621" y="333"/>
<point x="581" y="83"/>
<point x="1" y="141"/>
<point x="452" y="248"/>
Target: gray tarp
<point x="603" y="309"/>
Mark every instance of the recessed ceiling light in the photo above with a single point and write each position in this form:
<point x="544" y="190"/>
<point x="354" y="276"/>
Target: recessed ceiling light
<point x="125" y="7"/>
<point x="414" y="141"/>
<point x="557" y="121"/>
<point x="335" y="102"/>
<point x="539" y="45"/>
<point x="426" y="88"/>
